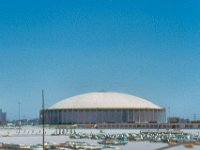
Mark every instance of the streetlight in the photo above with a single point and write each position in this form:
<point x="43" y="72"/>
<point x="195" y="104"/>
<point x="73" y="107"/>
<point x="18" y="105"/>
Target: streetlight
<point x="169" y="118"/>
<point x="43" y="131"/>
<point x="19" y="122"/>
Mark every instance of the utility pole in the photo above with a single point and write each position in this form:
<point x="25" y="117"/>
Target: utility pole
<point x="43" y="131"/>
<point x="169" y="117"/>
<point x="194" y="117"/>
<point x="19" y="122"/>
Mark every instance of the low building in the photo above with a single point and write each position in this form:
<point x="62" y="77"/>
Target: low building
<point x="195" y="121"/>
<point x="177" y="120"/>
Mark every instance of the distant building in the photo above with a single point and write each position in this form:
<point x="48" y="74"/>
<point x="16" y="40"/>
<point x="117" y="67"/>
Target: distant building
<point x="104" y="107"/>
<point x="195" y="121"/>
<point x="177" y="120"/>
<point x="33" y="121"/>
<point x="2" y="117"/>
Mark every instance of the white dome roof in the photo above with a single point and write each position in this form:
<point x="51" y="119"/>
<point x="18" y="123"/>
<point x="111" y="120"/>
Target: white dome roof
<point x="104" y="100"/>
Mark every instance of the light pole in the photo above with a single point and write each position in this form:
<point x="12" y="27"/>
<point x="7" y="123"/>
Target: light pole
<point x="169" y="118"/>
<point x="43" y="131"/>
<point x="19" y="103"/>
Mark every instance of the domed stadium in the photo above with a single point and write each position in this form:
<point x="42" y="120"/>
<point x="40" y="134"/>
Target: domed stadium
<point x="104" y="107"/>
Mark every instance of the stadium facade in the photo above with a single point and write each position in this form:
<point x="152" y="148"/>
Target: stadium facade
<point x="104" y="107"/>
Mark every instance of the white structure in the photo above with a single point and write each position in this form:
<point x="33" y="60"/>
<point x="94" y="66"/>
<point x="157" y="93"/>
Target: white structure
<point x="108" y="107"/>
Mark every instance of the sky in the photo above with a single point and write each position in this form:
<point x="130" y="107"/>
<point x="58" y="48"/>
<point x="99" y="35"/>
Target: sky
<point x="148" y="48"/>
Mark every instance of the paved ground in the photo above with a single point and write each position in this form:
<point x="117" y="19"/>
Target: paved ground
<point x="32" y="135"/>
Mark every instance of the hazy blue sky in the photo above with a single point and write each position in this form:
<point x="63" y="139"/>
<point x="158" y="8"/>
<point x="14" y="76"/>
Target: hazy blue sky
<point x="148" y="48"/>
